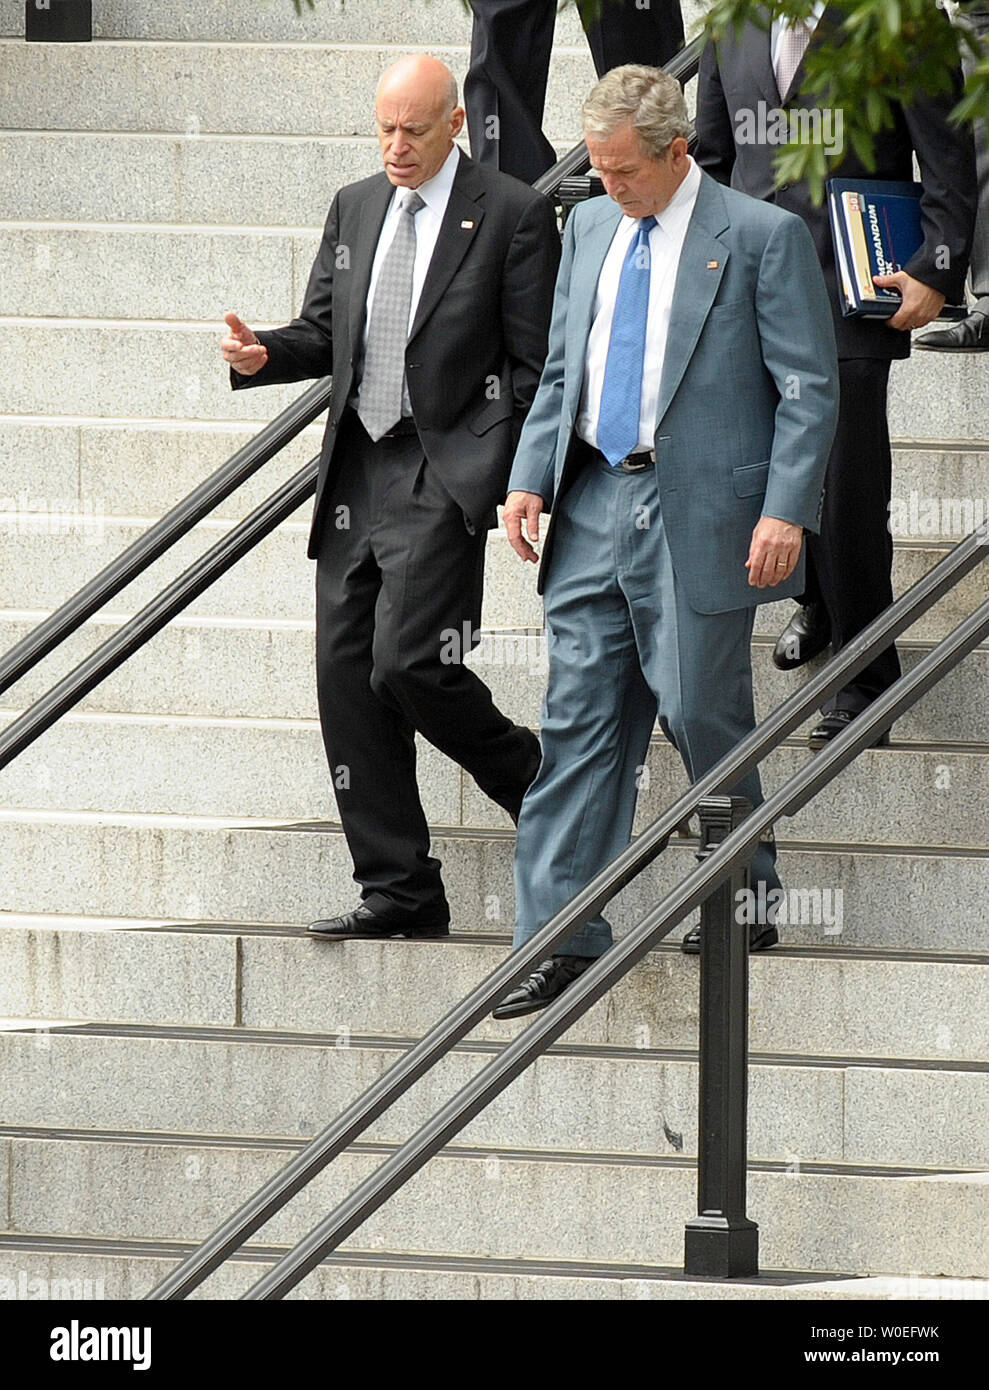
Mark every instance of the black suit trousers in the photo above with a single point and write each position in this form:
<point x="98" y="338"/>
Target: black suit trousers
<point x="849" y="564"/>
<point x="511" y="46"/>
<point x="398" y="601"/>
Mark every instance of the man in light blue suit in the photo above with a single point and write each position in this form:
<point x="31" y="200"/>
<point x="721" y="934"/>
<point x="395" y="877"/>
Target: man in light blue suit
<point x="679" y="436"/>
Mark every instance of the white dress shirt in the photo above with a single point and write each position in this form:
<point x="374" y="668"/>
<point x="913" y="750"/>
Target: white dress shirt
<point x="665" y="245"/>
<point x="780" y="25"/>
<point x="435" y="193"/>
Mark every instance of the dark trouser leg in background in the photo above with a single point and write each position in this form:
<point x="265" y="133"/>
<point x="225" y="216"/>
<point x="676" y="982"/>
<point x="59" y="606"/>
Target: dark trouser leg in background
<point x="505" y="87"/>
<point x="625" y="32"/>
<point x="511" y="45"/>
<point x="853" y="555"/>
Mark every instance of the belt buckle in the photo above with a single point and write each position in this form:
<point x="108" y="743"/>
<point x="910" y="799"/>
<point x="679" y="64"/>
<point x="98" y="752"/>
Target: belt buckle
<point x="636" y="463"/>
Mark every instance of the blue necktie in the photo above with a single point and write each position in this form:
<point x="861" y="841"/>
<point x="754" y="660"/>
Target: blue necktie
<point x="621" y="395"/>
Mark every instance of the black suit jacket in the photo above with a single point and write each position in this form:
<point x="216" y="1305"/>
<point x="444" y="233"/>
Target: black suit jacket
<point x="478" y="341"/>
<point x="737" y="73"/>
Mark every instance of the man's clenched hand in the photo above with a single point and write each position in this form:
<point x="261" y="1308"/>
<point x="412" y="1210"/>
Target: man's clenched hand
<point x="519" y="507"/>
<point x="242" y="349"/>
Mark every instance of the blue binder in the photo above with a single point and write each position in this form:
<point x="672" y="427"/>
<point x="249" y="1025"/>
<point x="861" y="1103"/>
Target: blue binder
<point x="876" y="227"/>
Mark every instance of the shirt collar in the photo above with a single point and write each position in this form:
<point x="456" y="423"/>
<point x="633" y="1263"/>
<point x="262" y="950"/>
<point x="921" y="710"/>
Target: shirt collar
<point x="435" y="192"/>
<point x="811" y="22"/>
<point x="682" y="199"/>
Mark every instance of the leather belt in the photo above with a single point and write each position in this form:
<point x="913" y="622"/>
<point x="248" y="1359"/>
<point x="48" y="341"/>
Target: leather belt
<point x="631" y="463"/>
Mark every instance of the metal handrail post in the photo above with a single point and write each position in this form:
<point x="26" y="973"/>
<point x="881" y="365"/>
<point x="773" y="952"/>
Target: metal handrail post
<point x="720" y="1240"/>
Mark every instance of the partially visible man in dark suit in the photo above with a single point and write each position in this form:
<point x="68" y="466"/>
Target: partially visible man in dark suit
<point x="972" y="333"/>
<point x="510" y="49"/>
<point x="850" y="562"/>
<point x="429" y="302"/>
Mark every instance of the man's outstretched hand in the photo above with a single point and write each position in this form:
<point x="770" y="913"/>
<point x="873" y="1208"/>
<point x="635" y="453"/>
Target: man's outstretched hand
<point x="242" y="349"/>
<point x="522" y="507"/>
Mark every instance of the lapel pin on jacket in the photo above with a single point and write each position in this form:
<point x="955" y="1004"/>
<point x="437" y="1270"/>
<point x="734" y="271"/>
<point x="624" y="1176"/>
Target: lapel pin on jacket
<point x="712" y="265"/>
<point x="466" y="226"/>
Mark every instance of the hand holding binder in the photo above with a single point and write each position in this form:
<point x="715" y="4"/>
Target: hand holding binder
<point x="920" y="304"/>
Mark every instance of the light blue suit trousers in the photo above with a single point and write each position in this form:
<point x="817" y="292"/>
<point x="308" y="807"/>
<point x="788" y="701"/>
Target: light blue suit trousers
<point x="624" y="645"/>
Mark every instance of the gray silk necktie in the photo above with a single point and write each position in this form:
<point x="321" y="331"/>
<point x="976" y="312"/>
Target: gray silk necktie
<point x="793" y="45"/>
<point x="380" y="401"/>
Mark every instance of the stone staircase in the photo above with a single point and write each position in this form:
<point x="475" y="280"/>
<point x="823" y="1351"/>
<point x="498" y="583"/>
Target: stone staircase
<point x="171" y="1036"/>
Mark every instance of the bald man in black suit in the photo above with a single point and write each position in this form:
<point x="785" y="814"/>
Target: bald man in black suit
<point x="407" y="490"/>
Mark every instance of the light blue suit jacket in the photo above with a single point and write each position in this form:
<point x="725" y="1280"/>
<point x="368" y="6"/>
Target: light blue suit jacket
<point x="748" y="396"/>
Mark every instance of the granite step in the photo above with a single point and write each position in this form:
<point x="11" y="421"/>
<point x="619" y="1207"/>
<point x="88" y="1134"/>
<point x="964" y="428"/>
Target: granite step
<point x="931" y="795"/>
<point x="262" y="1085"/>
<point x="275" y="580"/>
<point x="329" y="21"/>
<point x="184" y="86"/>
<point x="933" y="396"/>
<point x="80" y="1269"/>
<point x="191" y="870"/>
<point x="207" y="659"/>
<point x="817" y="1001"/>
<point x="236" y="180"/>
<point x="467" y="1203"/>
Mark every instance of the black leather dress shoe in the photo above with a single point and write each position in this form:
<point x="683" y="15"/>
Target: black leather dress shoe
<point x="835" y="722"/>
<point x="760" y="939"/>
<point x="546" y="982"/>
<point x="806" y="634"/>
<point x="364" y="925"/>
<point x="967" y="335"/>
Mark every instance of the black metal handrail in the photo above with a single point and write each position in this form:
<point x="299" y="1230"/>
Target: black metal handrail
<point x="153" y="543"/>
<point x="139" y="630"/>
<point x="343" y="1131"/>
